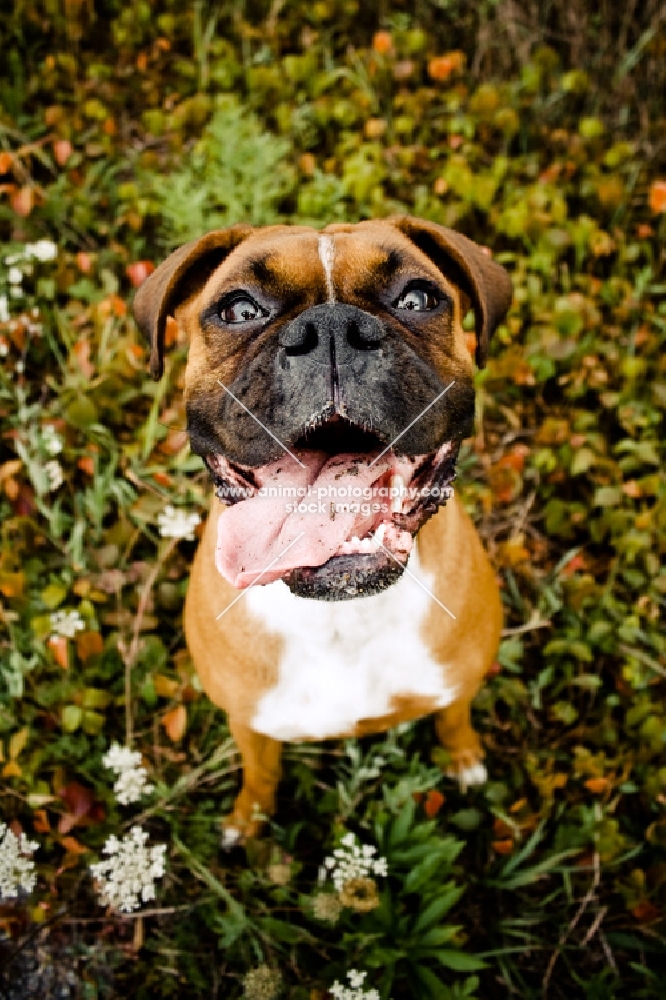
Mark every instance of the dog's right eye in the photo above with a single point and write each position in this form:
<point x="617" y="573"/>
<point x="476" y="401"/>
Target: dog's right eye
<point x="241" y="310"/>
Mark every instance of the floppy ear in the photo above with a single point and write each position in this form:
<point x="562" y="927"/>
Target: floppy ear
<point x="486" y="282"/>
<point x="166" y="286"/>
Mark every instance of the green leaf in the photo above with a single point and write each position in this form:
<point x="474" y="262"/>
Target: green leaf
<point x="459" y="961"/>
<point x="435" y="911"/>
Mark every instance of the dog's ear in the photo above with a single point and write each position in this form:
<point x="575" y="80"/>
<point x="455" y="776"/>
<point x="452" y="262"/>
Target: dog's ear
<point x="486" y="282"/>
<point x="168" y="285"/>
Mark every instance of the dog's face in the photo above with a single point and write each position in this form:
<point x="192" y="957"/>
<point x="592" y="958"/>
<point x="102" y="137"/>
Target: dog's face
<point x="328" y="361"/>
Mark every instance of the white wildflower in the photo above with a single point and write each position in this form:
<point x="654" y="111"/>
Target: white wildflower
<point x="353" y="861"/>
<point x="4" y="349"/>
<point x="128" y="876"/>
<point x="14" y="275"/>
<point x="51" y="439"/>
<point x="42" y="250"/>
<point x="53" y="470"/>
<point x="262" y="984"/>
<point x="4" y="309"/>
<point x="16" y="866"/>
<point x="326" y="906"/>
<point x="354" y="991"/>
<point x="177" y="523"/>
<point x="66" y="624"/>
<point x="132" y="778"/>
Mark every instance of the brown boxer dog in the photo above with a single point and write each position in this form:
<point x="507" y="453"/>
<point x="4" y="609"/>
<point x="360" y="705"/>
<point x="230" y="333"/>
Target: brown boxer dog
<point x="328" y="388"/>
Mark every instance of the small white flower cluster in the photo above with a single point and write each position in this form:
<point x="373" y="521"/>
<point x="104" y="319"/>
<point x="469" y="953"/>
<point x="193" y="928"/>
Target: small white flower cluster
<point x="4" y="318"/>
<point x="352" y="861"/>
<point x="131" y="776"/>
<point x="128" y="876"/>
<point x="20" y="263"/>
<point x="354" y="991"/>
<point x="16" y="865"/>
<point x="51" y="440"/>
<point x="177" y="523"/>
<point x="66" y="624"/>
<point x="54" y="475"/>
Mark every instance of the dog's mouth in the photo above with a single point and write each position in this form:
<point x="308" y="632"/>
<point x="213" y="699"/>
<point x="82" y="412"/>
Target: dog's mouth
<point x="334" y="518"/>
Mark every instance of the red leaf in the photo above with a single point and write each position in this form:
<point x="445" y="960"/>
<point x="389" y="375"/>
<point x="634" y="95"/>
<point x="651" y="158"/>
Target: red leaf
<point x="434" y="802"/>
<point x="78" y="802"/>
<point x="139" y="271"/>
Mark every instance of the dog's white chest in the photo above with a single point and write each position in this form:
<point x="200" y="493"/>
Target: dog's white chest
<point x="346" y="660"/>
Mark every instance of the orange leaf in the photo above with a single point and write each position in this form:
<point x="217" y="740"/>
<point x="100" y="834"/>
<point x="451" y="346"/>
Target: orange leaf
<point x="11" y="770"/>
<point x="658" y="196"/>
<point x="6" y="161"/>
<point x="73" y="846"/>
<point x="382" y="42"/>
<point x="162" y="478"/>
<point x="87" y="465"/>
<point x="434" y="802"/>
<point x="62" y="150"/>
<point x="503" y="846"/>
<point x="441" y="67"/>
<point x="58" y="646"/>
<point x="88" y="644"/>
<point x="23" y="201"/>
<point x="139" y="271"/>
<point x="40" y="821"/>
<point x="175" y="722"/>
<point x="11" y="584"/>
<point x="646" y="912"/>
<point x="597" y="785"/>
<point x="84" y="262"/>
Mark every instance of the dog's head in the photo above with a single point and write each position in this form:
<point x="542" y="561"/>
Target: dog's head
<point x="328" y="388"/>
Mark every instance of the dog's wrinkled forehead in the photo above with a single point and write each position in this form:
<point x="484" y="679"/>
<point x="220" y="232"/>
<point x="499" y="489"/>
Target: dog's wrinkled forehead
<point x="325" y="266"/>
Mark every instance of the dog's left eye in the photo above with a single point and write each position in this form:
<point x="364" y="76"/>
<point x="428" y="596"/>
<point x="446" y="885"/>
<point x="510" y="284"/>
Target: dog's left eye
<point x="241" y="310"/>
<point x="418" y="299"/>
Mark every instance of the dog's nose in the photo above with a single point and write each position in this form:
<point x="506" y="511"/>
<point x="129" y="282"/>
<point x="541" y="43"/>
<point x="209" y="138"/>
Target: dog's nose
<point x="332" y="333"/>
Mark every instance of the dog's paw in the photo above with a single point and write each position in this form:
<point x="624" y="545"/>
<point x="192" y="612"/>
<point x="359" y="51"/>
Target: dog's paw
<point x="467" y="777"/>
<point x="232" y="836"/>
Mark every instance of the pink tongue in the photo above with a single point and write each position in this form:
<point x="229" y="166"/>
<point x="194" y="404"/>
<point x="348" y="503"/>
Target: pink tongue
<point x="262" y="538"/>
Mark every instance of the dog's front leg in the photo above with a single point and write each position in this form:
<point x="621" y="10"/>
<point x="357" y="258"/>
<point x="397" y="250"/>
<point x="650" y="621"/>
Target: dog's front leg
<point x="454" y="729"/>
<point x="260" y="757"/>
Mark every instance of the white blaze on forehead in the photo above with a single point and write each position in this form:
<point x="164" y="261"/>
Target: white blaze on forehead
<point x="327" y="256"/>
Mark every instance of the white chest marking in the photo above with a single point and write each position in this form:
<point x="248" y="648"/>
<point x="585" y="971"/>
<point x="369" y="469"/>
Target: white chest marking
<point x="326" y="248"/>
<point x="345" y="660"/>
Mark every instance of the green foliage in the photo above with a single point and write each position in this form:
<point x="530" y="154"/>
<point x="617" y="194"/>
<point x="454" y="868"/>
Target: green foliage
<point x="538" y="130"/>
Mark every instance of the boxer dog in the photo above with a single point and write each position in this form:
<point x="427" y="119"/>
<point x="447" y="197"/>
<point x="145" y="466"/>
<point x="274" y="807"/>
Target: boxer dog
<point x="335" y="591"/>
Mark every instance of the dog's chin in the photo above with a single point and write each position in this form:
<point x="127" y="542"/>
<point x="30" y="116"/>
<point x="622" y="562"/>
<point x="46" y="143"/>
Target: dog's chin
<point x="345" y="577"/>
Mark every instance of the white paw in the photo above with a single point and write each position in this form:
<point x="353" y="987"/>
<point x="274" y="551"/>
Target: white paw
<point x="231" y="835"/>
<point x="466" y="777"/>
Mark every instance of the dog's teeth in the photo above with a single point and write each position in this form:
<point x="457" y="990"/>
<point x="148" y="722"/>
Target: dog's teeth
<point x="379" y="533"/>
<point x="397" y="484"/>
